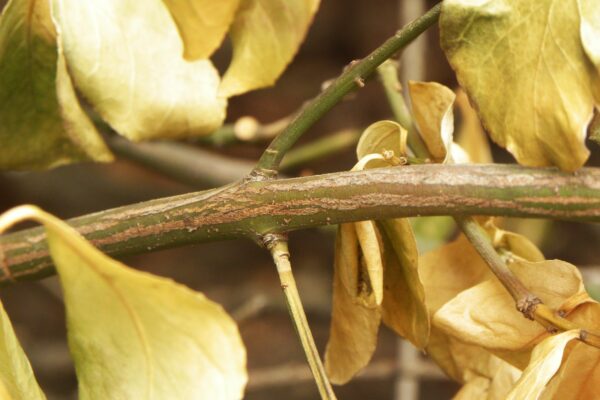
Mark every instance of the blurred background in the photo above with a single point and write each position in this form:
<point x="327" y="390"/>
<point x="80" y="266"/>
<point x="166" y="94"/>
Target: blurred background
<point x="237" y="273"/>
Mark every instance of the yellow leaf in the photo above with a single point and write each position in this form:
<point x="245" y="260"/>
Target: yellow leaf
<point x="524" y="66"/>
<point x="578" y="376"/>
<point x="545" y="361"/>
<point x="471" y="137"/>
<point x="590" y="31"/>
<point x="475" y="389"/>
<point x="348" y="258"/>
<point x="41" y="122"/>
<point x="432" y="109"/>
<point x="125" y="56"/>
<point x="369" y="242"/>
<point x="491" y="381"/>
<point x="485" y="315"/>
<point x="266" y="34"/>
<point x="17" y="381"/>
<point x="354" y="327"/>
<point x="516" y="244"/>
<point x="380" y="137"/>
<point x="449" y="270"/>
<point x="202" y="24"/>
<point x="403" y="307"/>
<point x="133" y="335"/>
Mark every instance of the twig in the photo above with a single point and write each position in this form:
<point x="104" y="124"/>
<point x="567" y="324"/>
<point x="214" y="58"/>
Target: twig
<point x="320" y="148"/>
<point x="388" y="73"/>
<point x="245" y="130"/>
<point x="349" y="80"/>
<point x="277" y="245"/>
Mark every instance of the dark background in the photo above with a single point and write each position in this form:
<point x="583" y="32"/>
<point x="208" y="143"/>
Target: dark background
<point x="236" y="273"/>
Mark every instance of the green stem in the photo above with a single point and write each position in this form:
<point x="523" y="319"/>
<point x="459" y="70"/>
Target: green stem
<point x="388" y="73"/>
<point x="320" y="148"/>
<point x="253" y="209"/>
<point x="352" y="78"/>
<point x="281" y="257"/>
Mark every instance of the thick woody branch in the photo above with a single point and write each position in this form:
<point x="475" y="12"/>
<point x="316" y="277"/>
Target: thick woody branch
<point x="251" y="209"/>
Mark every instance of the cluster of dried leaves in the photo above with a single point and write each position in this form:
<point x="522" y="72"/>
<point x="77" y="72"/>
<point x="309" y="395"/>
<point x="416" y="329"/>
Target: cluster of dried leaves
<point x="447" y="302"/>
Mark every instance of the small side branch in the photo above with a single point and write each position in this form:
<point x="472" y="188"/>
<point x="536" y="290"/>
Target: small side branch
<point x="350" y="79"/>
<point x="277" y="245"/>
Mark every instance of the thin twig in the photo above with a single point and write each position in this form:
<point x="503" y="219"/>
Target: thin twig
<point x="277" y="245"/>
<point x="350" y="79"/>
<point x="388" y="73"/>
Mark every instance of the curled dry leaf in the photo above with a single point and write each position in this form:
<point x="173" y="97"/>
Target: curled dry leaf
<point x="17" y="381"/>
<point x="42" y="124"/>
<point x="133" y="335"/>
<point x="354" y="326"/>
<point x="450" y="270"/>
<point x="126" y="59"/>
<point x="485" y="315"/>
<point x="579" y="374"/>
<point x="445" y="272"/>
<point x="545" y="361"/>
<point x="266" y="35"/>
<point x="403" y="307"/>
<point x="202" y="24"/>
<point x="371" y="258"/>
<point x="380" y="137"/>
<point x="525" y="67"/>
<point x="432" y="105"/>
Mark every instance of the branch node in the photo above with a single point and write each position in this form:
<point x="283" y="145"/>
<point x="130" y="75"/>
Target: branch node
<point x="527" y="305"/>
<point x="261" y="175"/>
<point x="269" y="240"/>
<point x="583" y="335"/>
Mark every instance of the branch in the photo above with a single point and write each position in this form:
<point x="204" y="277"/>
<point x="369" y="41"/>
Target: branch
<point x="352" y="77"/>
<point x="252" y="209"/>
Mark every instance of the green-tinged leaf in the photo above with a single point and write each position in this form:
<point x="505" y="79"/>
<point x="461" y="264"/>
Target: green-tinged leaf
<point x="17" y="381"/>
<point x="524" y="66"/>
<point x="266" y="34"/>
<point x="202" y="24"/>
<point x="354" y="327"/>
<point x="545" y="361"/>
<point x="133" y="335"/>
<point x="126" y="58"/>
<point x="485" y="315"/>
<point x="432" y="106"/>
<point x="41" y="122"/>
<point x="403" y="307"/>
<point x="380" y="137"/>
